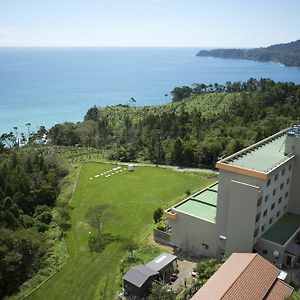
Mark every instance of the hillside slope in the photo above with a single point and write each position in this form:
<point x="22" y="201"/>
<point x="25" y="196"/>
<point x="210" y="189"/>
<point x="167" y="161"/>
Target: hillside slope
<point x="287" y="54"/>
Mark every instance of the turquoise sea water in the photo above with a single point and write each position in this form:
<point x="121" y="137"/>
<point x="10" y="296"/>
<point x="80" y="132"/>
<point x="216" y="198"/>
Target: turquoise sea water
<point x="45" y="86"/>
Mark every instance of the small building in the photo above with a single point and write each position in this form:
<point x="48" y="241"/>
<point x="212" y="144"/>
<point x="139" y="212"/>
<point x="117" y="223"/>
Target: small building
<point x="165" y="264"/>
<point x="138" y="281"/>
<point x="245" y="276"/>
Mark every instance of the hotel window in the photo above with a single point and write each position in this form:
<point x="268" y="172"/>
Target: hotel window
<point x="285" y="208"/>
<point x="256" y="232"/>
<point x="265" y="212"/>
<point x="288" y="181"/>
<point x="272" y="206"/>
<point x="257" y="217"/>
<point x="268" y="182"/>
<point x="271" y="221"/>
<point x="282" y="172"/>
<point x="286" y="194"/>
<point x="279" y="200"/>
<point x="259" y="201"/>
<point x="290" y="167"/>
<point x="263" y="228"/>
<point x="265" y="251"/>
<point x="266" y="198"/>
<point x="281" y="186"/>
<point x="276" y="177"/>
<point x="278" y="214"/>
<point x="274" y="192"/>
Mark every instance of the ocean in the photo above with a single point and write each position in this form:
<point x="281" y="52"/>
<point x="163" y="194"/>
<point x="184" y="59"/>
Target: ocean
<point x="45" y="86"/>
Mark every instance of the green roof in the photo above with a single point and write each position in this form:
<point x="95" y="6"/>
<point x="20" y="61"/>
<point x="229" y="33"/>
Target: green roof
<point x="262" y="157"/>
<point x="283" y="229"/>
<point x="202" y="205"/>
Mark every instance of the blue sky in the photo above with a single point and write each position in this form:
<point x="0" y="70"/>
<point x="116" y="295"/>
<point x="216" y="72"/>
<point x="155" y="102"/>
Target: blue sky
<point x="180" y="23"/>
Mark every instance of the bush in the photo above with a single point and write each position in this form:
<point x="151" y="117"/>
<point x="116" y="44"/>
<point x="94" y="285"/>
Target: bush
<point x="157" y="215"/>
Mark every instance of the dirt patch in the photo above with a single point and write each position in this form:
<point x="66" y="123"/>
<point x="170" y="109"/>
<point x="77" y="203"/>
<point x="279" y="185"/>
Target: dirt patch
<point x="82" y="226"/>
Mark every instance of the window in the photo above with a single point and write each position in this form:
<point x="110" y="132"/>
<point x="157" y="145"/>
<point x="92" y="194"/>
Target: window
<point x="288" y="181"/>
<point x="268" y="182"/>
<point x="266" y="198"/>
<point x="263" y="228"/>
<point x="276" y="177"/>
<point x="279" y="200"/>
<point x="257" y="217"/>
<point x="259" y="201"/>
<point x="271" y="221"/>
<point x="274" y="192"/>
<point x="272" y="206"/>
<point x="265" y="251"/>
<point x="278" y="214"/>
<point x="256" y="232"/>
<point x="281" y="186"/>
<point x="285" y="208"/>
<point x="282" y="172"/>
<point x="205" y="246"/>
<point x="265" y="212"/>
<point x="290" y="167"/>
<point x="286" y="194"/>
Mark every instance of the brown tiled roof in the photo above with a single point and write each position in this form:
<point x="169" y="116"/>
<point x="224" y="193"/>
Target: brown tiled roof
<point x="244" y="276"/>
<point x="280" y="290"/>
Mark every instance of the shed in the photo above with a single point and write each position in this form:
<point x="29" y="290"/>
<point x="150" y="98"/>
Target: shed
<point x="138" y="281"/>
<point x="165" y="264"/>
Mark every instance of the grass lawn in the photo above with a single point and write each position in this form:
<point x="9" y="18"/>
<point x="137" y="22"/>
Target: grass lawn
<point x="134" y="196"/>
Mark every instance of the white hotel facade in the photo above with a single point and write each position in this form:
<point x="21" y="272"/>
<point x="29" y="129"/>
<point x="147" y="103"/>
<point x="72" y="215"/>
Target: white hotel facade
<point x="254" y="207"/>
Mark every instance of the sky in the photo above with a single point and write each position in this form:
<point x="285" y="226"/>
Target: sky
<point x="155" y="23"/>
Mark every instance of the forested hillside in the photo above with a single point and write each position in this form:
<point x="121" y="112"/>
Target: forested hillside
<point x="286" y="54"/>
<point x="202" y="123"/>
<point x="29" y="185"/>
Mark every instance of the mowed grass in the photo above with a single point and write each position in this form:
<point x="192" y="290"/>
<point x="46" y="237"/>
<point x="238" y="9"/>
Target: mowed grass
<point x="133" y="196"/>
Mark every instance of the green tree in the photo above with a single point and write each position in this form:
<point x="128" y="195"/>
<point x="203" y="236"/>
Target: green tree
<point x="157" y="215"/>
<point x="161" y="292"/>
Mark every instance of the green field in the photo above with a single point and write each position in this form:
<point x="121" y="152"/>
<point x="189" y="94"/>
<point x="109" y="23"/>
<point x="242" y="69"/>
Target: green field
<point x="133" y="196"/>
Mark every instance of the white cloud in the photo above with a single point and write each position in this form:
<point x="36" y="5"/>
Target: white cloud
<point x="8" y="36"/>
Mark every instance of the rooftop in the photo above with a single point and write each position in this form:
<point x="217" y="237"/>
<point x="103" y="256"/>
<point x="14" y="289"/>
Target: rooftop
<point x="202" y="205"/>
<point x="244" y="276"/>
<point x="138" y="275"/>
<point x="283" y="229"/>
<point x="262" y="156"/>
<point x="161" y="261"/>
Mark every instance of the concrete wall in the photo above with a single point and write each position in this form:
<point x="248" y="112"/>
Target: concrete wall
<point x="294" y="203"/>
<point x="241" y="217"/>
<point x="224" y="194"/>
<point x="189" y="233"/>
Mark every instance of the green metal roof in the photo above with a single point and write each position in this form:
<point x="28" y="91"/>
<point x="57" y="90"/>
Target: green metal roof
<point x="262" y="157"/>
<point x="283" y="229"/>
<point x="202" y="205"/>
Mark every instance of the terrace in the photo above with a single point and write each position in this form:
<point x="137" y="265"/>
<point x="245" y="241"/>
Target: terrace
<point x="283" y="229"/>
<point x="202" y="205"/>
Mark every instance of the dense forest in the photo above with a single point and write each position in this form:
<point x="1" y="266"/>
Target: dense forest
<point x="29" y="185"/>
<point x="202" y="124"/>
<point x="286" y="54"/>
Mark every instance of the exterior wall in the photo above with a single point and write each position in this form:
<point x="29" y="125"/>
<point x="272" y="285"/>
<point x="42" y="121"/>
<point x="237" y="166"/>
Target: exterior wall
<point x="266" y="249"/>
<point x="276" y="194"/>
<point x="142" y="291"/>
<point x="189" y="233"/>
<point x="241" y="217"/>
<point x="224" y="194"/>
<point x="294" y="203"/>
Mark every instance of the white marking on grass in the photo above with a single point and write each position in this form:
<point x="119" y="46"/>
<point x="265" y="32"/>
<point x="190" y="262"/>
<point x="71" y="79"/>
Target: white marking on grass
<point x="97" y="176"/>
